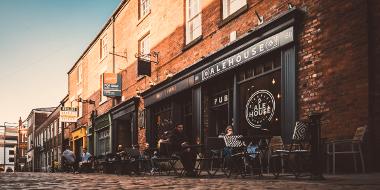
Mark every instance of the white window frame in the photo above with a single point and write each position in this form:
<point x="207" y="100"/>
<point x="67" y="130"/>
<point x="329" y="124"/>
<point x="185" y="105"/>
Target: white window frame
<point x="144" y="46"/>
<point x="231" y="6"/>
<point x="103" y="47"/>
<point x="80" y="108"/>
<point x="193" y="20"/>
<point x="144" y="8"/>
<point x="79" y="74"/>
<point x="102" y="98"/>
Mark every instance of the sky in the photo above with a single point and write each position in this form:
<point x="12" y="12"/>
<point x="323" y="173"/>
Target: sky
<point x="40" y="40"/>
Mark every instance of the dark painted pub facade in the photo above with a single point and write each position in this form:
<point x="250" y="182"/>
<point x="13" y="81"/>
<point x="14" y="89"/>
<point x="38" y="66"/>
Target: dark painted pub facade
<point x="247" y="83"/>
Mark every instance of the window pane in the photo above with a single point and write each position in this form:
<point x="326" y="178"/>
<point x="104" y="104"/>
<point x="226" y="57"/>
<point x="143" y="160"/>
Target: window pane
<point x="231" y="6"/>
<point x="268" y="66"/>
<point x="194" y="21"/>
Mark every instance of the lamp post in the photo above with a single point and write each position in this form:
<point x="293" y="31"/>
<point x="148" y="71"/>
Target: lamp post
<point x="5" y="129"/>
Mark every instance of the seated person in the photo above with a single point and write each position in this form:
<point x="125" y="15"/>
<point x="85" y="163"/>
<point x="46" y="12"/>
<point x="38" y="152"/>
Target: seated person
<point x="227" y="151"/>
<point x="134" y="156"/>
<point x="121" y="152"/>
<point x="86" y="162"/>
<point x="179" y="142"/>
<point x="68" y="158"/>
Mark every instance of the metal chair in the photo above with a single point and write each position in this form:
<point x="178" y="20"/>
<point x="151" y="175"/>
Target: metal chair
<point x="210" y="160"/>
<point x="356" y="141"/>
<point x="165" y="160"/>
<point x="237" y="161"/>
<point x="296" y="157"/>
<point x="276" y="153"/>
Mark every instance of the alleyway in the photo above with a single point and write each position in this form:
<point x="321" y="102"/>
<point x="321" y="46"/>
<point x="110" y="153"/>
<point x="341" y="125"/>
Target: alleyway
<point x="105" y="181"/>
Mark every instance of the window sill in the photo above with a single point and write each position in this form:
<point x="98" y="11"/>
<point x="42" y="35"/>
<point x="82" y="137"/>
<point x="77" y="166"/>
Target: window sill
<point x="104" y="101"/>
<point x="192" y="43"/>
<point x="143" y="18"/>
<point x="102" y="59"/>
<point x="233" y="16"/>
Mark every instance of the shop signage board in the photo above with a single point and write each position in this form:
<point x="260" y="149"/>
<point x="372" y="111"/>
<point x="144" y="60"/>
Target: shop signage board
<point x="260" y="108"/>
<point x="169" y="91"/>
<point x="111" y="85"/>
<point x="220" y="99"/>
<point x="264" y="46"/>
<point x="68" y="114"/>
<point x="143" y="67"/>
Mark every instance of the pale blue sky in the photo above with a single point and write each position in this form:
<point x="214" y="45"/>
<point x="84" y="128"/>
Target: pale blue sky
<point x="40" y="40"/>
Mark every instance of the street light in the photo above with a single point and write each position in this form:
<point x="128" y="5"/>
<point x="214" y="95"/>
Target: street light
<point x="5" y="129"/>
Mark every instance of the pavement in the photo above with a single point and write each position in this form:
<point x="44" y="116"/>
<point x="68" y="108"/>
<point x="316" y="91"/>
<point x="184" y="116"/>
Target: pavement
<point x="109" y="181"/>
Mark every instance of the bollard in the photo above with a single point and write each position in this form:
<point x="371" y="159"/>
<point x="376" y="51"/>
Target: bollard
<point x="316" y="148"/>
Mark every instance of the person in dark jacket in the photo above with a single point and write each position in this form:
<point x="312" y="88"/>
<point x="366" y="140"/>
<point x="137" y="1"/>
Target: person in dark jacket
<point x="180" y="143"/>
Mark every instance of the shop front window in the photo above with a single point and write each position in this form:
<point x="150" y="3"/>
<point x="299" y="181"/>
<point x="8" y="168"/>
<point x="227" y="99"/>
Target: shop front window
<point x="260" y="97"/>
<point x="104" y="142"/>
<point x="220" y="106"/>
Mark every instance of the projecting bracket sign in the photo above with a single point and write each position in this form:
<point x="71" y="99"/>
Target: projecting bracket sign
<point x="111" y="85"/>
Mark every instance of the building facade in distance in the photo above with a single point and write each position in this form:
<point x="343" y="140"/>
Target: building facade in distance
<point x="34" y="120"/>
<point x="8" y="146"/>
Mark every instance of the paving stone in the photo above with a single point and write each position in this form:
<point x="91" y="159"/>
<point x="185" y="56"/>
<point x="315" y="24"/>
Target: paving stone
<point x="107" y="181"/>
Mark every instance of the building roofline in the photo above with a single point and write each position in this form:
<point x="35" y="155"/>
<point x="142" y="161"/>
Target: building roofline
<point x="48" y="120"/>
<point x="117" y="10"/>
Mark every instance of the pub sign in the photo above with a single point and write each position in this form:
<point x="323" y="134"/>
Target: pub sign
<point x="111" y="84"/>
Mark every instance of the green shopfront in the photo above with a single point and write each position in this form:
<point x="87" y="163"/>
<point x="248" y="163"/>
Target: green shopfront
<point x="102" y="135"/>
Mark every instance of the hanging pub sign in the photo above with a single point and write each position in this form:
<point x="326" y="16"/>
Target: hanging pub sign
<point x="143" y="67"/>
<point x="260" y="107"/>
<point x="111" y="84"/>
<point x="68" y="114"/>
<point x="220" y="99"/>
<point x="264" y="46"/>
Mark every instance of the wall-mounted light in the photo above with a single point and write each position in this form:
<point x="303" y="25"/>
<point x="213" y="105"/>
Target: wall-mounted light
<point x="168" y="74"/>
<point x="260" y="18"/>
<point x="85" y="101"/>
<point x="151" y="83"/>
<point x="290" y="6"/>
<point x="138" y="92"/>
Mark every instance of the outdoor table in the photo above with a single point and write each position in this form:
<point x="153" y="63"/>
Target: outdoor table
<point x="262" y="141"/>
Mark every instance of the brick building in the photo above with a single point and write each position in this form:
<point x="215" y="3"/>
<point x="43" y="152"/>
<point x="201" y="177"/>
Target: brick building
<point x="48" y="140"/>
<point x="223" y="62"/>
<point x="34" y="142"/>
<point x="22" y="146"/>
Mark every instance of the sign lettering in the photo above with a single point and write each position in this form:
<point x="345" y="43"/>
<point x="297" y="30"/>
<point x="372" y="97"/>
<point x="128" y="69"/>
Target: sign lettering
<point x="260" y="107"/>
<point x="269" y="44"/>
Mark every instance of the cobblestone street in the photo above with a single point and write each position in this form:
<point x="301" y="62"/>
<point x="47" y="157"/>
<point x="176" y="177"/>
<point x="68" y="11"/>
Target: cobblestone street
<point x="106" y="181"/>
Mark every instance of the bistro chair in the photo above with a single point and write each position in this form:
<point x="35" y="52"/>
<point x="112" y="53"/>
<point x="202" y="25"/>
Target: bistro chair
<point x="296" y="157"/>
<point x="276" y="153"/>
<point x="237" y="161"/>
<point x="132" y="163"/>
<point x="355" y="145"/>
<point x="210" y="160"/>
<point x="165" y="160"/>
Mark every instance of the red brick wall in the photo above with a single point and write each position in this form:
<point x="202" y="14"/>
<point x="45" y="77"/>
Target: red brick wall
<point x="332" y="58"/>
<point x="332" y="53"/>
<point x="333" y="63"/>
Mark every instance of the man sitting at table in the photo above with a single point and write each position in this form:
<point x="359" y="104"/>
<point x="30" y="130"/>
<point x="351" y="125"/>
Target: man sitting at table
<point x="85" y="164"/>
<point x="180" y="143"/>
